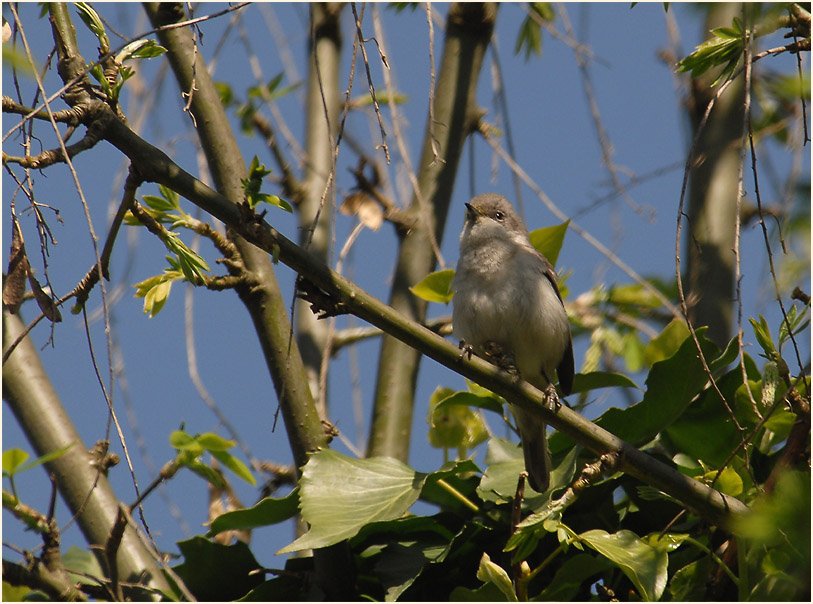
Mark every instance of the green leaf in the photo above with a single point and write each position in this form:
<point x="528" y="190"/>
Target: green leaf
<point x="469" y="399"/>
<point x="435" y="287"/>
<point x="499" y="482"/>
<point x="209" y="474"/>
<point x="488" y="572"/>
<point x="213" y="442"/>
<point x="530" y="32"/>
<point x="225" y="93"/>
<point x="140" y="49"/>
<point x="155" y="290"/>
<point x="82" y="566"/>
<point x="17" y="467"/>
<point x="13" y="459"/>
<point x="689" y="583"/>
<point x="645" y="565"/>
<point x="667" y="342"/>
<point x="91" y="18"/>
<point x="235" y="465"/>
<point x="729" y="481"/>
<point x="549" y="240"/>
<point x="218" y="573"/>
<point x="266" y="512"/>
<point x="453" y="424"/>
<point x="190" y="263"/>
<point x="575" y="571"/>
<point x="705" y="431"/>
<point x="251" y="187"/>
<point x="584" y="382"/>
<point x="185" y="442"/>
<point x="635" y="295"/>
<point x="339" y="495"/>
<point x="670" y="387"/>
<point x="159" y="204"/>
<point x="763" y="335"/>
<point x="724" y="48"/>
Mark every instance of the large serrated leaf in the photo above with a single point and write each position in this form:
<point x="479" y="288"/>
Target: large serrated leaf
<point x="339" y="495"/>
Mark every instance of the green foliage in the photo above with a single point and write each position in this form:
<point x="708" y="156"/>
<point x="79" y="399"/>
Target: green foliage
<point x="184" y="265"/>
<point x="529" y="37"/>
<point x="266" y="512"/>
<point x="138" y="49"/>
<point x="435" y="287"/>
<point x="191" y="449"/>
<point x="14" y="460"/>
<point x="724" y="49"/>
<point x="94" y="23"/>
<point x="467" y="550"/>
<point x="217" y="573"/>
<point x="549" y="240"/>
<point x="251" y="187"/>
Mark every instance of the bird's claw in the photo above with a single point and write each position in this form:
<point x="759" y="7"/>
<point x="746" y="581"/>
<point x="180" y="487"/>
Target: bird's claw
<point x="466" y="350"/>
<point x="552" y="397"/>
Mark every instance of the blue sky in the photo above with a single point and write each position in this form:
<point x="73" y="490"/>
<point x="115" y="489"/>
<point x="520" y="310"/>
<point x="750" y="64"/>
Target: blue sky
<point x="556" y="144"/>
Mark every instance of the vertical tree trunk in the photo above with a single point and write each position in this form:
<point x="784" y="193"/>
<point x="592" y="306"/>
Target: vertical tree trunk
<point x="468" y="32"/>
<point x="322" y="111"/>
<point x="713" y="196"/>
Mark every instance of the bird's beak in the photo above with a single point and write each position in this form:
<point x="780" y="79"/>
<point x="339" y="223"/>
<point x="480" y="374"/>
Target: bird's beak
<point x="472" y="212"/>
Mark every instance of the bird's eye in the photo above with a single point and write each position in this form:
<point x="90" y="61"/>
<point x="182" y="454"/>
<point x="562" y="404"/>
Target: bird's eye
<point x="499" y="216"/>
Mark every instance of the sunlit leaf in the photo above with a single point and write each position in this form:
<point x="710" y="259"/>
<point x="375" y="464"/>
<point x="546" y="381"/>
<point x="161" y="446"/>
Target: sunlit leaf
<point x="266" y="512"/>
<point x="549" y="240"/>
<point x="235" y="465"/>
<point x="339" y="495"/>
<point x="643" y="564"/>
<point x="435" y="287"/>
<point x="488" y="572"/>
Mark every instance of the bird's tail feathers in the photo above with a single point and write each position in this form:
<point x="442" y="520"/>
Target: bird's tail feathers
<point x="535" y="449"/>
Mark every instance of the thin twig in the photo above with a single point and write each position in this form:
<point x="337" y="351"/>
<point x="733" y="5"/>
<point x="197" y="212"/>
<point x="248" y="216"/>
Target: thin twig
<point x="360" y="36"/>
<point x="399" y="137"/>
<point x="603" y="138"/>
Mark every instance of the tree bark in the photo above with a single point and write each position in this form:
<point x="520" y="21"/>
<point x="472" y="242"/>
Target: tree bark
<point x="713" y="194"/>
<point x="322" y="110"/>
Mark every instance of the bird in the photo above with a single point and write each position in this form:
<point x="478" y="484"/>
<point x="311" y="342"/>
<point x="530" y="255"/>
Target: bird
<point x="507" y="308"/>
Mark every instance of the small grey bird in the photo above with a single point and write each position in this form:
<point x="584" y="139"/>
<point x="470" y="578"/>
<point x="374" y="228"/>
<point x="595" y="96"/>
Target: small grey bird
<point x="507" y="307"/>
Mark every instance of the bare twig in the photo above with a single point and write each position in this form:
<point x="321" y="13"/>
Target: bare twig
<point x="370" y="78"/>
<point x="399" y="137"/>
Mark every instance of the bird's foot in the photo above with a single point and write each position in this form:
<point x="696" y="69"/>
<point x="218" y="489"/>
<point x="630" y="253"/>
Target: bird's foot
<point x="552" y="397"/>
<point x="495" y="353"/>
<point x="466" y="350"/>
